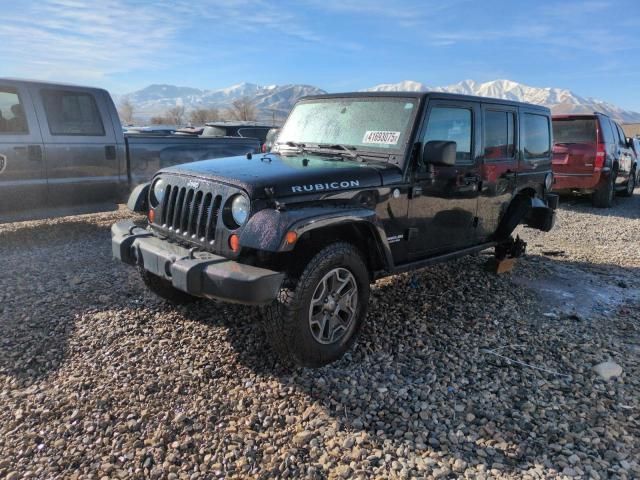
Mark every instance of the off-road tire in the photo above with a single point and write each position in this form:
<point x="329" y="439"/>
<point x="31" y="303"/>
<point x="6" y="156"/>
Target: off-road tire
<point x="631" y="185"/>
<point x="286" y="319"/>
<point x="604" y="196"/>
<point x="165" y="290"/>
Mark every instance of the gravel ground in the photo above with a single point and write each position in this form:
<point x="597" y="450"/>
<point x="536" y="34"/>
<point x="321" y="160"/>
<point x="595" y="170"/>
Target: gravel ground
<point x="99" y="379"/>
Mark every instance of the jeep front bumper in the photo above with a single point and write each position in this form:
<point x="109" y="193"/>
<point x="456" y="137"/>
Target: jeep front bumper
<point x="201" y="274"/>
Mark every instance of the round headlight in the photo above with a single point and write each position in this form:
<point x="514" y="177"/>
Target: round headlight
<point x="157" y="192"/>
<point x="240" y="209"/>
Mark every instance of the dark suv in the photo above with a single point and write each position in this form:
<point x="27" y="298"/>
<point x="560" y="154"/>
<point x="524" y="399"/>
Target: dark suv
<point x="358" y="187"/>
<point x="246" y="129"/>
<point x="592" y="155"/>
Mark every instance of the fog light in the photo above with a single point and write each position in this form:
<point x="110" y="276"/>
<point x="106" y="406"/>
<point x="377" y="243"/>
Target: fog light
<point x="234" y="242"/>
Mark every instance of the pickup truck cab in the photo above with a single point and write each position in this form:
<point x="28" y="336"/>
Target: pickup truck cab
<point x="359" y="186"/>
<point x="592" y="155"/>
<point x="64" y="145"/>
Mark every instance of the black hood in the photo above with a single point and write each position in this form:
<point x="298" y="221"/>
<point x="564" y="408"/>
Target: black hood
<point x="290" y="174"/>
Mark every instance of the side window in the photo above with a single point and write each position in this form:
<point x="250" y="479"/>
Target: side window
<point x="536" y="140"/>
<point x="72" y="113"/>
<point x="12" y="117"/>
<point x="454" y="125"/>
<point x="498" y="135"/>
<point x="621" y="135"/>
<point x="607" y="133"/>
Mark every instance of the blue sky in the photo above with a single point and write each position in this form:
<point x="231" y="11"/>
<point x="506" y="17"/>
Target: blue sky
<point x="591" y="47"/>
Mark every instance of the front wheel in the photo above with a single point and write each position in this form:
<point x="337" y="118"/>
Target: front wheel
<point x="631" y="185"/>
<point x="317" y="315"/>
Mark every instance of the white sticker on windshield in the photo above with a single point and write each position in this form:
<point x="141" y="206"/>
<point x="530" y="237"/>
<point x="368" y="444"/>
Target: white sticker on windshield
<point x="381" y="137"/>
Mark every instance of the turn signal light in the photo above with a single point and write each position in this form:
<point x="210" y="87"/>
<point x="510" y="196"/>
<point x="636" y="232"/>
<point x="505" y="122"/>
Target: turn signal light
<point x="291" y="237"/>
<point x="234" y="242"/>
<point x="152" y="215"/>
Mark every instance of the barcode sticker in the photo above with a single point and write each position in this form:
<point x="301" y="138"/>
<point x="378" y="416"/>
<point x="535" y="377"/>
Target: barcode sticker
<point x="381" y="137"/>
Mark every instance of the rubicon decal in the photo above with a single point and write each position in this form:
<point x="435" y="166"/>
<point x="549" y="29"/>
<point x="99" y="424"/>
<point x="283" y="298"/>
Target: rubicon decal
<point x="318" y="187"/>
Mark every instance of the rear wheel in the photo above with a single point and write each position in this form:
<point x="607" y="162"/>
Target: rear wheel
<point x="631" y="185"/>
<point x="603" y="196"/>
<point x="318" y="314"/>
<point x="165" y="290"/>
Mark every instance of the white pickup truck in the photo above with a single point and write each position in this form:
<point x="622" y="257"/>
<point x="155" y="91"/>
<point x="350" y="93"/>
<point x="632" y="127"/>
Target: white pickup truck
<point x="63" y="145"/>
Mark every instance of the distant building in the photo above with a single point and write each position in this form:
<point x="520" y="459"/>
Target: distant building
<point x="631" y="129"/>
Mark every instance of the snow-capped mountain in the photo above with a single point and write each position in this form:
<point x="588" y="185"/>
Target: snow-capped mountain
<point x="273" y="100"/>
<point x="557" y="99"/>
<point x="277" y="100"/>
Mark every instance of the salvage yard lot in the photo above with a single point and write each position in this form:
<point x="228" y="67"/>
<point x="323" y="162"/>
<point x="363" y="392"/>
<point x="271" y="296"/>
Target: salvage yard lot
<point x="99" y="378"/>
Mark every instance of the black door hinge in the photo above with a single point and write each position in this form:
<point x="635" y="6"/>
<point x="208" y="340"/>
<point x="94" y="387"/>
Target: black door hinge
<point x="410" y="234"/>
<point x="476" y="220"/>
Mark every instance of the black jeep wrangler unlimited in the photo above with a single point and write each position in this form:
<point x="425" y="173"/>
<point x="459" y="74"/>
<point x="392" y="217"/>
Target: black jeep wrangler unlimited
<point x="359" y="186"/>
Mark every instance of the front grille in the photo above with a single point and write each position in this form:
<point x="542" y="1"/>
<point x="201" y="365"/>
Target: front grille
<point x="190" y="213"/>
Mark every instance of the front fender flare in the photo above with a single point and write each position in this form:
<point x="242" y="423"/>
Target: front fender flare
<point x="266" y="229"/>
<point x="138" y="199"/>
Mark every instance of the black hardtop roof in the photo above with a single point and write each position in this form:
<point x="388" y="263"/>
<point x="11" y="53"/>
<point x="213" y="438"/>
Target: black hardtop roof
<point x="425" y="95"/>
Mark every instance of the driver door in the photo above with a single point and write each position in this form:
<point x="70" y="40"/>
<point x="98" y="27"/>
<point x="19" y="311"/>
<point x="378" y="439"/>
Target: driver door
<point x="444" y="198"/>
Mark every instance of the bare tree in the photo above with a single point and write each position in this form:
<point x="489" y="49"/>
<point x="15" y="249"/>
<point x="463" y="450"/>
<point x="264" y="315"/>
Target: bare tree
<point x="175" y="115"/>
<point x="126" y="111"/>
<point x="200" y="116"/>
<point x="243" y="109"/>
<point x="160" y="120"/>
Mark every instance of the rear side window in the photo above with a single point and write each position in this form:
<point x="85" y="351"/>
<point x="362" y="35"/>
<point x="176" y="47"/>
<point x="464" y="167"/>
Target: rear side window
<point x="498" y="135"/>
<point x="12" y="117"/>
<point x="621" y="136"/>
<point x="607" y="132"/>
<point x="536" y="140"/>
<point x="454" y="125"/>
<point x="72" y="113"/>
<point x="574" y="130"/>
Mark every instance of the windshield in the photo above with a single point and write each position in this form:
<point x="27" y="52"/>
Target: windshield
<point x="576" y="130"/>
<point x="365" y="123"/>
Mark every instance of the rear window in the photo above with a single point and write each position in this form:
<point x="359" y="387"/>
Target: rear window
<point x="210" y="131"/>
<point x="536" y="140"/>
<point x="574" y="130"/>
<point x="72" y="113"/>
<point x="12" y="117"/>
<point x="259" y="133"/>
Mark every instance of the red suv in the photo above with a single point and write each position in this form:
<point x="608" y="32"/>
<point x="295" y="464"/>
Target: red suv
<point x="592" y="155"/>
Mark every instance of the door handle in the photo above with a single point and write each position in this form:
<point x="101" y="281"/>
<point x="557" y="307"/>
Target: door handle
<point x="109" y="152"/>
<point x="35" y="153"/>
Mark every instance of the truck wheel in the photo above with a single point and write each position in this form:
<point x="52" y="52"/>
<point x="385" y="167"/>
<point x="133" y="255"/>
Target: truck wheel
<point x="603" y="196"/>
<point x="165" y="290"/>
<point x="631" y="185"/>
<point x="317" y="315"/>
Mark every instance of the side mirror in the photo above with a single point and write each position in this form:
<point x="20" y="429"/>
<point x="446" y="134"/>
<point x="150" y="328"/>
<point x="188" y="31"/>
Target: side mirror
<point x="439" y="152"/>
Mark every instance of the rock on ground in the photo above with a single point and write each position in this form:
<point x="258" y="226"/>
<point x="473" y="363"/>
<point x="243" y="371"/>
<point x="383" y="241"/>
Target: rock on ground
<point x="100" y="379"/>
